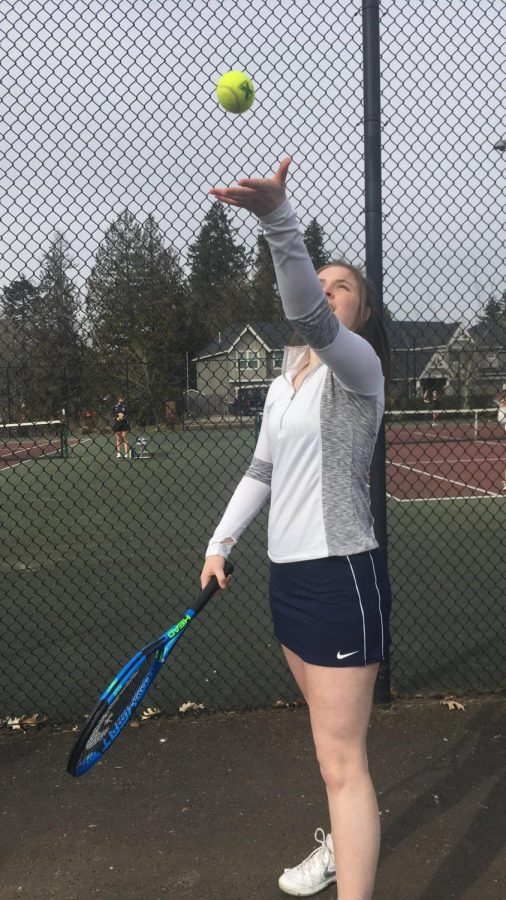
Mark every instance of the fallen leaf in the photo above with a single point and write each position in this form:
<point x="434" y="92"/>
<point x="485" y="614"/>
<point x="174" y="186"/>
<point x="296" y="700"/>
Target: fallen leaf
<point x="34" y="720"/>
<point x="150" y="713"/>
<point x="452" y="704"/>
<point x="14" y="723"/>
<point x="189" y="706"/>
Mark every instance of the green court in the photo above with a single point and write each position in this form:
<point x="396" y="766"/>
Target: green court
<point x="100" y="554"/>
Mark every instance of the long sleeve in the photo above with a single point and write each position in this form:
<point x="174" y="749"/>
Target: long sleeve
<point x="250" y="495"/>
<point x="349" y="356"/>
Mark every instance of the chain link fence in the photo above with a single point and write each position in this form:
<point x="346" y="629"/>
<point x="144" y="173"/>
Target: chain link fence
<point x="123" y="284"/>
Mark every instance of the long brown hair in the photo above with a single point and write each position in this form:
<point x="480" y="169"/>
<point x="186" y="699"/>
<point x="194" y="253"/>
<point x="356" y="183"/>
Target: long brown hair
<point x="372" y="328"/>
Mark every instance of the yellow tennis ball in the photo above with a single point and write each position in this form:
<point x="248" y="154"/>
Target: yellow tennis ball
<point x="235" y="92"/>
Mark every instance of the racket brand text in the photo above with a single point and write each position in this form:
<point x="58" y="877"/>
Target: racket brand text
<point x="179" y="626"/>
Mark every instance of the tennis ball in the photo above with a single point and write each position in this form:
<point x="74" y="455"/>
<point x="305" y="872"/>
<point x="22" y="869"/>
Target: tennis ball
<point x="235" y="92"/>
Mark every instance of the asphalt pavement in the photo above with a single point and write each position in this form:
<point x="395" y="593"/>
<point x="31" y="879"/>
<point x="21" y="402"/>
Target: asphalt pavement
<point x="214" y="807"/>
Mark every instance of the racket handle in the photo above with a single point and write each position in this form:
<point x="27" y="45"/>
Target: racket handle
<point x="211" y="588"/>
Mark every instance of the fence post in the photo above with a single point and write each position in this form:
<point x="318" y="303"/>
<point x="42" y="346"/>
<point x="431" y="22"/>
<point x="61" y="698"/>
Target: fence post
<point x="9" y="414"/>
<point x="373" y="263"/>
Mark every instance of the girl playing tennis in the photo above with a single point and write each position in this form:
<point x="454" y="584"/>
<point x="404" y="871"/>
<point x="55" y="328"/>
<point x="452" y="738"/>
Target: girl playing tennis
<point x="121" y="427"/>
<point x="329" y="591"/>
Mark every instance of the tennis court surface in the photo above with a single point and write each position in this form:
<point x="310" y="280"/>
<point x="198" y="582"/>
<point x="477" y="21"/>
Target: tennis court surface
<point x="447" y="454"/>
<point x="213" y="808"/>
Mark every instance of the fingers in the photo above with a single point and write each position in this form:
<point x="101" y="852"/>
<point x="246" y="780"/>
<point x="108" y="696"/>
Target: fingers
<point x="254" y="184"/>
<point x="261" y="196"/>
<point x="233" y="193"/>
<point x="243" y="198"/>
<point x="214" y="566"/>
<point x="282" y="172"/>
<point x="240" y="197"/>
<point x="230" y="202"/>
<point x="265" y="183"/>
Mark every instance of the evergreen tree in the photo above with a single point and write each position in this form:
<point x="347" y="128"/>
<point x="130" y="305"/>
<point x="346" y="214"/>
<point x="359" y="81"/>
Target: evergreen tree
<point x="494" y="310"/>
<point x="137" y="312"/>
<point x="19" y="302"/>
<point x="56" y="348"/>
<point x="266" y="303"/>
<point x="220" y="291"/>
<point x="113" y="286"/>
<point x="160" y="342"/>
<point x="314" y="239"/>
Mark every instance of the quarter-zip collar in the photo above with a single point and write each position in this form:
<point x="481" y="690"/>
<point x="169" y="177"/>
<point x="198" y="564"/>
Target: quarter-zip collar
<point x="292" y="359"/>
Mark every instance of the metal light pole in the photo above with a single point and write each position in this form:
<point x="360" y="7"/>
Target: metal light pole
<point x="373" y="263"/>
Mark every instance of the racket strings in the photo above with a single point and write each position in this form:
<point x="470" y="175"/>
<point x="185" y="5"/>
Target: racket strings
<point x="116" y="715"/>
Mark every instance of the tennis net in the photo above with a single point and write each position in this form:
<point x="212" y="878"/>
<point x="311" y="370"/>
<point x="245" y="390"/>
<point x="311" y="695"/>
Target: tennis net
<point x="20" y="441"/>
<point x="443" y="425"/>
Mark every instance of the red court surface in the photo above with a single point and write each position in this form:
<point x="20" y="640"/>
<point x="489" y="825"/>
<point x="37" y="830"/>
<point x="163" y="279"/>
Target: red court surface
<point x="12" y="454"/>
<point x="435" y="463"/>
<point x="447" y="460"/>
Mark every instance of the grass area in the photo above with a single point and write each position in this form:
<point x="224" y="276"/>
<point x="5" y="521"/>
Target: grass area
<point x="101" y="554"/>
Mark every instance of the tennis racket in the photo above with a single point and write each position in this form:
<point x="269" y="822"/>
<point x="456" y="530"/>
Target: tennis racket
<point x="119" y="701"/>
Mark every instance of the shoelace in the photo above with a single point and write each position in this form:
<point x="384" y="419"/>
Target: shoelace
<point x="308" y="864"/>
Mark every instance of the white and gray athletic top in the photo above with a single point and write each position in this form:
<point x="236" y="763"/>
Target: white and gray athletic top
<point x="315" y="445"/>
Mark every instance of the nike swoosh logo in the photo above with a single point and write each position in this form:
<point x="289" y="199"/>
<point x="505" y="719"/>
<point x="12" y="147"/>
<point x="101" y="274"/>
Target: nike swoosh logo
<point x="329" y="873"/>
<point x="344" y="655"/>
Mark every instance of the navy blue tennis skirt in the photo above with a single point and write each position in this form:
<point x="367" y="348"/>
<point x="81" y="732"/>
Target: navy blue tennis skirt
<point x="333" y="611"/>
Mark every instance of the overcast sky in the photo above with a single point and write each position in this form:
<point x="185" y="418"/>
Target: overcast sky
<point x="106" y="105"/>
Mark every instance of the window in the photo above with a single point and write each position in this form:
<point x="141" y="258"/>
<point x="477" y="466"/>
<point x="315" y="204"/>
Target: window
<point x="277" y="359"/>
<point x="247" y="359"/>
<point x="492" y="360"/>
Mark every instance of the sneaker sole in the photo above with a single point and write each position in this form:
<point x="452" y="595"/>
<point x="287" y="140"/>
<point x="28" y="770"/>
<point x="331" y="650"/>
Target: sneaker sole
<point x="298" y="892"/>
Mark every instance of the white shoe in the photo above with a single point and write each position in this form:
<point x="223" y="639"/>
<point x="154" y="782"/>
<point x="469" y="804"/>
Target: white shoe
<point x="315" y="873"/>
<point x="118" y="455"/>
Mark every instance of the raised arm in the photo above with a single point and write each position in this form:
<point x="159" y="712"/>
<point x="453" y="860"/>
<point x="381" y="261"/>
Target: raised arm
<point x="349" y="356"/>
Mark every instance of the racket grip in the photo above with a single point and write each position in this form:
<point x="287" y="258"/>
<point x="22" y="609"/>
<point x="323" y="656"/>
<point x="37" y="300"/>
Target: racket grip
<point x="211" y="588"/>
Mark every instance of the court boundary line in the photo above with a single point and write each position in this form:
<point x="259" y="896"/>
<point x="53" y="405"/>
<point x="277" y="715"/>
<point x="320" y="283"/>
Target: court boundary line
<point x="27" y="462"/>
<point x="443" y="499"/>
<point x="440" y="478"/>
<point x="457" y="460"/>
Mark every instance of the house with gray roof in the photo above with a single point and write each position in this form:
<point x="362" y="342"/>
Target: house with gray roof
<point x="465" y="364"/>
<point x="418" y="356"/>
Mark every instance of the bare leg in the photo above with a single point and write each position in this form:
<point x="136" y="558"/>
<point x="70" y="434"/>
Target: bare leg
<point x="340" y="701"/>
<point x="296" y="665"/>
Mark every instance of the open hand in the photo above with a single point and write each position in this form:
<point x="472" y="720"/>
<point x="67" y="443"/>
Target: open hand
<point x="260" y="196"/>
